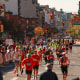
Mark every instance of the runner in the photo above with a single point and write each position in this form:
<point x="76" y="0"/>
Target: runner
<point x="70" y="46"/>
<point x="40" y="54"/>
<point x="28" y="66"/>
<point x="57" y="54"/>
<point x="36" y="59"/>
<point x="67" y="48"/>
<point x="64" y="62"/>
<point x="51" y="59"/>
<point x="17" y="59"/>
<point x="22" y="57"/>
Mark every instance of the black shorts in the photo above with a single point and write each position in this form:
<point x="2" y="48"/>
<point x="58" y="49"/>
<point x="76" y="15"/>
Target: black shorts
<point x="17" y="61"/>
<point x="64" y="69"/>
<point x="70" y="47"/>
<point x="36" y="67"/>
<point x="28" y="72"/>
<point x="66" y="48"/>
<point x="60" y="55"/>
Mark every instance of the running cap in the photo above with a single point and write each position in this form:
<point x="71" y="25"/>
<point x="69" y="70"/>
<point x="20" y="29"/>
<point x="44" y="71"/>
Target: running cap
<point x="63" y="53"/>
<point x="28" y="55"/>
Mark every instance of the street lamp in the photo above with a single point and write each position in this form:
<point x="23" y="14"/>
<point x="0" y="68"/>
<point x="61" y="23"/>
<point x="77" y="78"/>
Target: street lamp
<point x="26" y="27"/>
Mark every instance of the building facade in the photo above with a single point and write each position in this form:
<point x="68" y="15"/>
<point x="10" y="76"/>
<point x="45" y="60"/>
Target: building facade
<point x="9" y="6"/>
<point x="29" y="8"/>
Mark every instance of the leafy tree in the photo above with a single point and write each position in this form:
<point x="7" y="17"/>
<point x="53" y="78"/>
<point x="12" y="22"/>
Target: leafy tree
<point x="12" y="28"/>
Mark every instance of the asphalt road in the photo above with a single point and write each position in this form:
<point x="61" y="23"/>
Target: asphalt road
<point x="73" y="71"/>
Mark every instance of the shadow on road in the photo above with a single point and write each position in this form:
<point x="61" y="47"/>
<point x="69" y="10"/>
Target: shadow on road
<point x="7" y="67"/>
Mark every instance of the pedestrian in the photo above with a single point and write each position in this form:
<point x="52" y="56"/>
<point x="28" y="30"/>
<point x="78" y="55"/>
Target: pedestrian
<point x="70" y="46"/>
<point x="51" y="59"/>
<point x="64" y="64"/>
<point x="28" y="66"/>
<point x="48" y="75"/>
<point x="40" y="54"/>
<point x="67" y="48"/>
<point x="17" y="58"/>
<point x="36" y="59"/>
<point x="1" y="76"/>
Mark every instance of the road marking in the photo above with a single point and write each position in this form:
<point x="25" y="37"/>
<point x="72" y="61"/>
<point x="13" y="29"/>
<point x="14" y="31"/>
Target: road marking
<point x="15" y="78"/>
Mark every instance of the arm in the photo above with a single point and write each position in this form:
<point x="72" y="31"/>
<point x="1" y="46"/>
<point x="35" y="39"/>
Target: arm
<point x="60" y="61"/>
<point x="13" y="54"/>
<point x="68" y="60"/>
<point x="22" y="63"/>
<point x="53" y="57"/>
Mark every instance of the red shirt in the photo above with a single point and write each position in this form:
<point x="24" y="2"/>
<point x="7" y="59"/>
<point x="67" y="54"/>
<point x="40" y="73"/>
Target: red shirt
<point x="40" y="53"/>
<point x="28" y="64"/>
<point x="22" y="57"/>
<point x="36" y="59"/>
<point x="50" y="57"/>
<point x="13" y="46"/>
<point x="44" y="50"/>
<point x="63" y="49"/>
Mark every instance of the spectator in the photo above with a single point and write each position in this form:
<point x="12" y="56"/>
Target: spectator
<point x="1" y="76"/>
<point x="48" y="75"/>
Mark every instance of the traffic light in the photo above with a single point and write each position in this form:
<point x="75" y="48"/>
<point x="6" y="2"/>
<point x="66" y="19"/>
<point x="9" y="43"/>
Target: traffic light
<point x="1" y="28"/>
<point x="50" y="16"/>
<point x="2" y="11"/>
<point x="75" y="15"/>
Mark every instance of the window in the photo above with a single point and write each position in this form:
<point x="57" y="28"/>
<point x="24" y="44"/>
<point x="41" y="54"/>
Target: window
<point x="32" y="22"/>
<point x="33" y="1"/>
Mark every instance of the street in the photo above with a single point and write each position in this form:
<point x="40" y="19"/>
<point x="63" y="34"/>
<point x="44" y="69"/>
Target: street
<point x="74" y="68"/>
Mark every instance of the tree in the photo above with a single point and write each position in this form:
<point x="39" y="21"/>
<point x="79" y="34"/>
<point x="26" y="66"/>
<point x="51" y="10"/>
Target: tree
<point x="11" y="28"/>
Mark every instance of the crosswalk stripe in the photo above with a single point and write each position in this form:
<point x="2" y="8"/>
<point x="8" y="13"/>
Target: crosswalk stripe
<point x="15" y="78"/>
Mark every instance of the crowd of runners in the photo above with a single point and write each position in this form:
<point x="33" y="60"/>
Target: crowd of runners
<point x="36" y="52"/>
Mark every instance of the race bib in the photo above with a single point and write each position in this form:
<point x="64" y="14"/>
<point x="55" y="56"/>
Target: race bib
<point x="39" y="53"/>
<point x="51" y="60"/>
<point x="35" y="59"/>
<point x="28" y="63"/>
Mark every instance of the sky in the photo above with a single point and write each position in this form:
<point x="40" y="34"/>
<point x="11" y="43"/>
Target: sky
<point x="66" y="5"/>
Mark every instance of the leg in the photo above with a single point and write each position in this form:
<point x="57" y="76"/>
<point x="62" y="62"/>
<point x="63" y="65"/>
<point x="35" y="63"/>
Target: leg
<point x="27" y="76"/>
<point x="52" y="67"/>
<point x="64" y="77"/>
<point x="20" y="66"/>
<point x="17" y="68"/>
<point x="34" y="72"/>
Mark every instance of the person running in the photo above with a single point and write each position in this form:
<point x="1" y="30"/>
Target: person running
<point x="40" y="54"/>
<point x="67" y="48"/>
<point x="17" y="59"/>
<point x="51" y="59"/>
<point x="22" y="57"/>
<point x="64" y="62"/>
<point x="36" y="60"/>
<point x="28" y="62"/>
<point x="70" y="46"/>
<point x="57" y="54"/>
